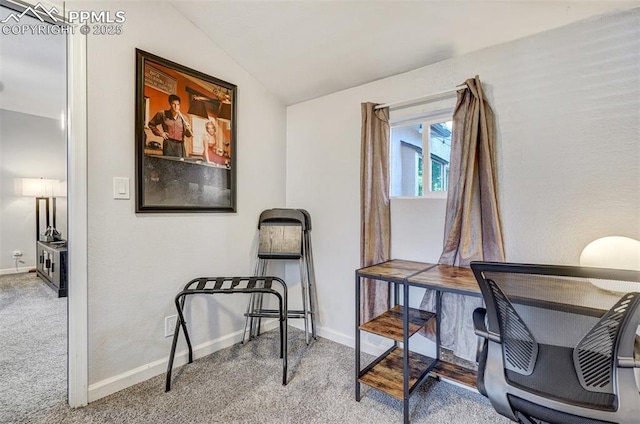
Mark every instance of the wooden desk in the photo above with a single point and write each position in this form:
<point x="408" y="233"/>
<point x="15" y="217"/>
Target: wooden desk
<point x="446" y="278"/>
<point x="398" y="371"/>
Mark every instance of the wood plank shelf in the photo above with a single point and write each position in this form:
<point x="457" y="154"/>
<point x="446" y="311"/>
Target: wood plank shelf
<point x="387" y="376"/>
<point x="389" y="324"/>
<point x="453" y="372"/>
<point x="394" y="270"/>
<point x="451" y="279"/>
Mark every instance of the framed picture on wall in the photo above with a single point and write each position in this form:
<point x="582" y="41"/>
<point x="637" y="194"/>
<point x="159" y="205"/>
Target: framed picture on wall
<point x="186" y="151"/>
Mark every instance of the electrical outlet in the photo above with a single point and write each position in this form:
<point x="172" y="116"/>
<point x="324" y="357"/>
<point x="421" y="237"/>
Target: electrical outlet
<point x="17" y="253"/>
<point x="170" y="325"/>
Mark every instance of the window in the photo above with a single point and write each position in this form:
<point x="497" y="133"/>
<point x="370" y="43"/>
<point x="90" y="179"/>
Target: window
<point x="420" y="155"/>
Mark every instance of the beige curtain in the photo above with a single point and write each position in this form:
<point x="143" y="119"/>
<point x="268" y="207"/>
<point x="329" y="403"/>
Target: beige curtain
<point x="375" y="226"/>
<point x="472" y="225"/>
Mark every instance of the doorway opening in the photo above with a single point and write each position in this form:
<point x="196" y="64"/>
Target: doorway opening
<point x="38" y="140"/>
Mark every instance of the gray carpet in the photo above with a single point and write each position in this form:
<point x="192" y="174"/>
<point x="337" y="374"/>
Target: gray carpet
<point x="33" y="352"/>
<point x="242" y="384"/>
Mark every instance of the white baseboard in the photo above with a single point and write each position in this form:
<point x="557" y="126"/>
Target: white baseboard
<point x="18" y="270"/>
<point x="344" y="339"/>
<point x="457" y="384"/>
<point x="138" y="375"/>
<point x="335" y="336"/>
<point x="119" y="382"/>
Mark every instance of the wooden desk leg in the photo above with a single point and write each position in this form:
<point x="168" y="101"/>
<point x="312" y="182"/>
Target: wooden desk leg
<point x="357" y="367"/>
<point x="396" y="293"/>
<point x="438" y="321"/>
<point x="405" y="351"/>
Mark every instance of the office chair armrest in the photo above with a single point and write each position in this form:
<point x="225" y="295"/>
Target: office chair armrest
<point x="636" y="352"/>
<point x="628" y="362"/>
<point x="481" y="329"/>
<point x="633" y="362"/>
<point x="478" y="322"/>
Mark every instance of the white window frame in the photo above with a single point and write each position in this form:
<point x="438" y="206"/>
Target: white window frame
<point x="426" y="120"/>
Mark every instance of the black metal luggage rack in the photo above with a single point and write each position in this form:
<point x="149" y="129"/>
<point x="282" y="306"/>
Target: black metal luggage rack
<point x="232" y="285"/>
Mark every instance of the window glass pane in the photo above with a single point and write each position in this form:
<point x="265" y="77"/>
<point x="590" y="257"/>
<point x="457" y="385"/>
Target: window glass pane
<point x="436" y="176"/>
<point x="420" y="185"/>
<point x="411" y="144"/>
<point x="440" y="150"/>
<point x="406" y="161"/>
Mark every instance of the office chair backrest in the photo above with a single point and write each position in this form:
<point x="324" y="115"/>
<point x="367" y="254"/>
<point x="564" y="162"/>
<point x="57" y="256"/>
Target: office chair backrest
<point x="558" y="345"/>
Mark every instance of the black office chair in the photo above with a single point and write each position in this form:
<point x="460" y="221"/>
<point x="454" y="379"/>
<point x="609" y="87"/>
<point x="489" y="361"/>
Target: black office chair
<point x="559" y="349"/>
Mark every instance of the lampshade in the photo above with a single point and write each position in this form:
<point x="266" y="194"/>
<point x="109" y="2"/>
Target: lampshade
<point x="613" y="252"/>
<point x="60" y="189"/>
<point x="225" y="110"/>
<point x="39" y="187"/>
<point x="198" y="108"/>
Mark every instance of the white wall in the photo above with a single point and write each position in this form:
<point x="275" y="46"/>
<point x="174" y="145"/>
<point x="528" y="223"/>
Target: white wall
<point x="139" y="262"/>
<point x="567" y="105"/>
<point x="30" y="147"/>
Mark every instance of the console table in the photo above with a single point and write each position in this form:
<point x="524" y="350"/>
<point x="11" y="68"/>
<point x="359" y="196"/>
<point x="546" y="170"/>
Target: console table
<point x="398" y="371"/>
<point x="51" y="266"/>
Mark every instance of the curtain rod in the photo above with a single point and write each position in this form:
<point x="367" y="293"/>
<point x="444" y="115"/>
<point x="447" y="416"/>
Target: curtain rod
<point x="421" y="99"/>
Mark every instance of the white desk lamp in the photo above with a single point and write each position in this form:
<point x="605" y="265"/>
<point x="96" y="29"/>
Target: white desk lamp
<point x="613" y="252"/>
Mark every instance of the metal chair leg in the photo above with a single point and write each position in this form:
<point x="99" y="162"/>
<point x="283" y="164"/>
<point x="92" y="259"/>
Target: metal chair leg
<point x="283" y="334"/>
<point x="284" y="347"/>
<point x="313" y="295"/>
<point x="250" y="321"/>
<point x="256" y="322"/>
<point x="305" y="309"/>
<point x="246" y="318"/>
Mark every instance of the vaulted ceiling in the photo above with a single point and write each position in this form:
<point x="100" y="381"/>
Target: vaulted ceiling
<point x="304" y="49"/>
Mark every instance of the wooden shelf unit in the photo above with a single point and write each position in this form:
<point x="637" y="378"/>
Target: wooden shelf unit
<point x="396" y="372"/>
<point x="387" y="375"/>
<point x="389" y="324"/>
<point x="456" y="373"/>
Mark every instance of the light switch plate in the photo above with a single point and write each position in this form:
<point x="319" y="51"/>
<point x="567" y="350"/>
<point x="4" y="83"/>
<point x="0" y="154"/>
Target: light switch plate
<point x="120" y="188"/>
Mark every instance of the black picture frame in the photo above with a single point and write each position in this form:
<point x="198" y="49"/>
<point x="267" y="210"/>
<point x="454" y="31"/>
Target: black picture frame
<point x="186" y="159"/>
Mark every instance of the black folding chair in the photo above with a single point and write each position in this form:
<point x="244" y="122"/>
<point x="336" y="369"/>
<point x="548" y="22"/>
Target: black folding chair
<point x="285" y="234"/>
